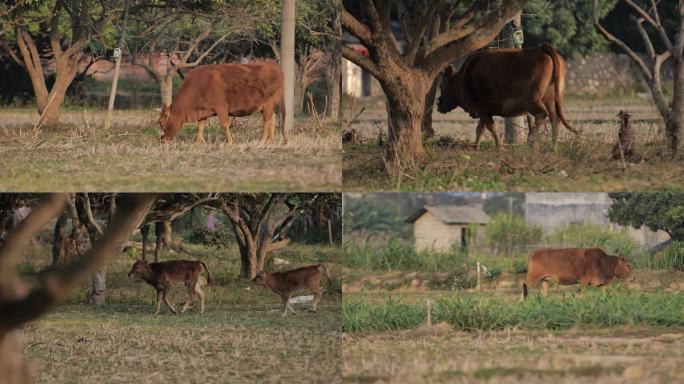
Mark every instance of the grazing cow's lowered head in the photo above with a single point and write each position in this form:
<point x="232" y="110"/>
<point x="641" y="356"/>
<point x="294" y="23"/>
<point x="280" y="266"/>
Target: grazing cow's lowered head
<point x="450" y="90"/>
<point x="623" y="269"/>
<point x="168" y="127"/>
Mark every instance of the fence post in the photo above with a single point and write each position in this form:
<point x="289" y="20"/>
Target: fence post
<point x="478" y="276"/>
<point x="429" y="312"/>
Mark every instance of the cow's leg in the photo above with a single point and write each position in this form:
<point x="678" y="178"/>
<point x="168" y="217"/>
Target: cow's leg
<point x="159" y="300"/>
<point x="191" y="296"/>
<point x="545" y="288"/>
<point x="224" y="118"/>
<point x="285" y="300"/>
<point x="491" y="126"/>
<point x="317" y="297"/>
<point x="200" y="293"/>
<point x="165" y="297"/>
<point x="269" y="125"/>
<point x="478" y="133"/>
<point x="540" y="114"/>
<point x="200" y="132"/>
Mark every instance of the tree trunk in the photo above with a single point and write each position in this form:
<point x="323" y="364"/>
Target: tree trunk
<point x="98" y="287"/>
<point x="49" y="108"/>
<point x="58" y="240"/>
<point x="334" y="80"/>
<point x="427" y="128"/>
<point x="675" y="124"/>
<point x="405" y="103"/>
<point x="166" y="87"/>
<point x="287" y="52"/>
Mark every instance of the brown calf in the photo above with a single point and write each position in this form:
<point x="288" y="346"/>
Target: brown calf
<point x="161" y="275"/>
<point x="587" y="266"/>
<point x="288" y="282"/>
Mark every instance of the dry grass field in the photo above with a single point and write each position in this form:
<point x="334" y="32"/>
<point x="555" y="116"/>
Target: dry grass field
<point x="579" y="164"/>
<point x="241" y="337"/>
<point x="78" y="155"/>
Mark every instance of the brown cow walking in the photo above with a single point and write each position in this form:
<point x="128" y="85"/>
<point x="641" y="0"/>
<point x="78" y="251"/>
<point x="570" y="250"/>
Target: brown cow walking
<point x="569" y="266"/>
<point x="508" y="82"/>
<point x="161" y="275"/>
<point x="226" y="90"/>
<point x="288" y="282"/>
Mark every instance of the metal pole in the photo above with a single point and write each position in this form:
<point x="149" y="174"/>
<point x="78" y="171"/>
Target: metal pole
<point x="117" y="66"/>
<point x="287" y="53"/>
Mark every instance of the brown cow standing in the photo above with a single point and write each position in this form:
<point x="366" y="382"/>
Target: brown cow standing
<point x="226" y="90"/>
<point x="289" y="282"/>
<point x="508" y="82"/>
<point x="587" y="266"/>
<point x="161" y="275"/>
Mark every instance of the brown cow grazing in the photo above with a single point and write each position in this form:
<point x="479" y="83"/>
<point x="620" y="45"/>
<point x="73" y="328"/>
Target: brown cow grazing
<point x="508" y="83"/>
<point x="289" y="282"/>
<point x="587" y="266"/>
<point x="161" y="275"/>
<point x="226" y="90"/>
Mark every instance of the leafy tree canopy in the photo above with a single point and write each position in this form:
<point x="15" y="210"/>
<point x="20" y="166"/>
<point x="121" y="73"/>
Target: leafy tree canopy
<point x="656" y="210"/>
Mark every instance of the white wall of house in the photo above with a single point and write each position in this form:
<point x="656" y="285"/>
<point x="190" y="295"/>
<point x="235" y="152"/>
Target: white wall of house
<point x="431" y="233"/>
<point x="353" y="84"/>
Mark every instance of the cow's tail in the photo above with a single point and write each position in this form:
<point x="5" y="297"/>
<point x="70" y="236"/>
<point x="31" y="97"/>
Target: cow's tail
<point x="558" y="83"/>
<point x="208" y="273"/>
<point x="325" y="270"/>
<point x="524" y="292"/>
<point x="282" y="118"/>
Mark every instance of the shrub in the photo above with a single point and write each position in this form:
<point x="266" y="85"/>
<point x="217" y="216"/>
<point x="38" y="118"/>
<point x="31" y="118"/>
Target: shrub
<point x="587" y="235"/>
<point x="221" y="238"/>
<point x="511" y="233"/>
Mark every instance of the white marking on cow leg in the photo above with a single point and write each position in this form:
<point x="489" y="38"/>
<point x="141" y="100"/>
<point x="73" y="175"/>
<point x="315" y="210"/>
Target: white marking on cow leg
<point x="317" y="298"/>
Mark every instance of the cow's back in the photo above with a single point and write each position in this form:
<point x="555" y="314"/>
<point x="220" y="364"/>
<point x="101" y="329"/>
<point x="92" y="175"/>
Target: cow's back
<point x="497" y="79"/>
<point x="567" y="265"/>
<point x="243" y="87"/>
<point x="177" y="269"/>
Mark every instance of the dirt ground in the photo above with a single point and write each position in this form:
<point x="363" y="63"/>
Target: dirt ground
<point x="440" y="355"/>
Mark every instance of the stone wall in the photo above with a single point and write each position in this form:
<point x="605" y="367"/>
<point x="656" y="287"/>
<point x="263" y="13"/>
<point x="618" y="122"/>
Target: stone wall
<point x="607" y="73"/>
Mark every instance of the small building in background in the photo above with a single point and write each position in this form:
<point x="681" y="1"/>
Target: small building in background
<point x="441" y="227"/>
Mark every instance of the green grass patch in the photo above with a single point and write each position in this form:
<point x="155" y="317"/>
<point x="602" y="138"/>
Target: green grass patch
<point x="613" y="307"/>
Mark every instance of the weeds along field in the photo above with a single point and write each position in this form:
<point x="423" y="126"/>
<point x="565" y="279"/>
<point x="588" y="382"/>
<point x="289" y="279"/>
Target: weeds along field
<point x="240" y="338"/>
<point x="79" y="155"/>
<point x="583" y="163"/>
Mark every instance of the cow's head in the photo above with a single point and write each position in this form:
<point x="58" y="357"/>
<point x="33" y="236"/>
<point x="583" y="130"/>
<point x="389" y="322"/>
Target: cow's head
<point x="260" y="279"/>
<point x="450" y="90"/>
<point x="166" y="124"/>
<point x="623" y="269"/>
<point x="140" y="269"/>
